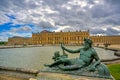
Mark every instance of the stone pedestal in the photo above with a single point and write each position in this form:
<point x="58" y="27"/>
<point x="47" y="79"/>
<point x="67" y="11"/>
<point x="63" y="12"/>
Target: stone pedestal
<point x="58" y="76"/>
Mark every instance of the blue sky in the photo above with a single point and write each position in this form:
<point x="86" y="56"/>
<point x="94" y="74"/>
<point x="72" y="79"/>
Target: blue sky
<point x="22" y="17"/>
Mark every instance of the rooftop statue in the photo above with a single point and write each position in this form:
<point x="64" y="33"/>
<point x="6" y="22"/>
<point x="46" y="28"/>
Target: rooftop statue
<point x="87" y="64"/>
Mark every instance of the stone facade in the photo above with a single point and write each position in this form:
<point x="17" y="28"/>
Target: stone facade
<point x="105" y="40"/>
<point x="19" y="41"/>
<point x="69" y="38"/>
<point x="54" y="38"/>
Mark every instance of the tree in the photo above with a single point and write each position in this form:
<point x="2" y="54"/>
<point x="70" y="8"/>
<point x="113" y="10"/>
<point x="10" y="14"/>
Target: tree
<point x="3" y="43"/>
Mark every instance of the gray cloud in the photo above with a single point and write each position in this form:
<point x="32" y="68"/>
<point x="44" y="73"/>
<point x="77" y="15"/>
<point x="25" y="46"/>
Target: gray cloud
<point x="108" y="13"/>
<point x="97" y="31"/>
<point x="4" y="19"/>
<point x="45" y="25"/>
<point x="4" y="5"/>
<point x="24" y="29"/>
<point x="109" y="31"/>
<point x="77" y="14"/>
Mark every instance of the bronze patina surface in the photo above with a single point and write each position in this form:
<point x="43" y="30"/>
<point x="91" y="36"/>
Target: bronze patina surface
<point x="88" y="63"/>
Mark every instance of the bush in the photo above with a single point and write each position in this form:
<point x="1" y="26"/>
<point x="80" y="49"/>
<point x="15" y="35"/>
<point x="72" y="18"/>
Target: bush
<point x="3" y="43"/>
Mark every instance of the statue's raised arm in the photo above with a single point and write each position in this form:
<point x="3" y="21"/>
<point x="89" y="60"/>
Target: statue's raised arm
<point x="69" y="50"/>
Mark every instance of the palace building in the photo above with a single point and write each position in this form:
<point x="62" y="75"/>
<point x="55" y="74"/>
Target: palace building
<point x="16" y="40"/>
<point x="106" y="40"/>
<point x="54" y="38"/>
<point x="69" y="38"/>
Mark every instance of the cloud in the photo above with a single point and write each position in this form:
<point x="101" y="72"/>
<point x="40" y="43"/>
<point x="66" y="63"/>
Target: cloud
<point x="22" y="31"/>
<point x="112" y="31"/>
<point x="4" y="19"/>
<point x="97" y="15"/>
<point x="108" y="30"/>
<point x="62" y="28"/>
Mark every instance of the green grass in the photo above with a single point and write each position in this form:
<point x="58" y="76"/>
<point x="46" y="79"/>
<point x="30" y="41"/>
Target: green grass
<point x="115" y="70"/>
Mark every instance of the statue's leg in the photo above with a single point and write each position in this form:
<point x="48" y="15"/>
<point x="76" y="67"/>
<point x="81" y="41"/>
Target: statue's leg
<point x="75" y="65"/>
<point x="70" y="67"/>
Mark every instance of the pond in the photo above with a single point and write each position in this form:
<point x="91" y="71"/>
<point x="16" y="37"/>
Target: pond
<point x="36" y="57"/>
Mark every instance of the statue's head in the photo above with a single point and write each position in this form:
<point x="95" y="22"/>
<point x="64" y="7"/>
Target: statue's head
<point x="87" y="42"/>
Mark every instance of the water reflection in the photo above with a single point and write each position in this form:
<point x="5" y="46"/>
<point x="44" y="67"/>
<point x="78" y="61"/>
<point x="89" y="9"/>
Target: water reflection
<point x="35" y="57"/>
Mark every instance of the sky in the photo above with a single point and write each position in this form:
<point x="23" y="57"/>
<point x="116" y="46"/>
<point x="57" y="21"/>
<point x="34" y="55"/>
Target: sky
<point x="24" y="17"/>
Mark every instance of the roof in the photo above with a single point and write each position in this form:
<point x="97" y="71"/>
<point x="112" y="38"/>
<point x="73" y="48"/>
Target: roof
<point x="17" y="37"/>
<point x="45" y="31"/>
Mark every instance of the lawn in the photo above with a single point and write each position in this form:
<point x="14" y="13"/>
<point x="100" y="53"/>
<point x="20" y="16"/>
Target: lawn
<point x="115" y="70"/>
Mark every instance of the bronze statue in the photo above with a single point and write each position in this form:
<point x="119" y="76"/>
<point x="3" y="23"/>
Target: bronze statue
<point x="88" y="61"/>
